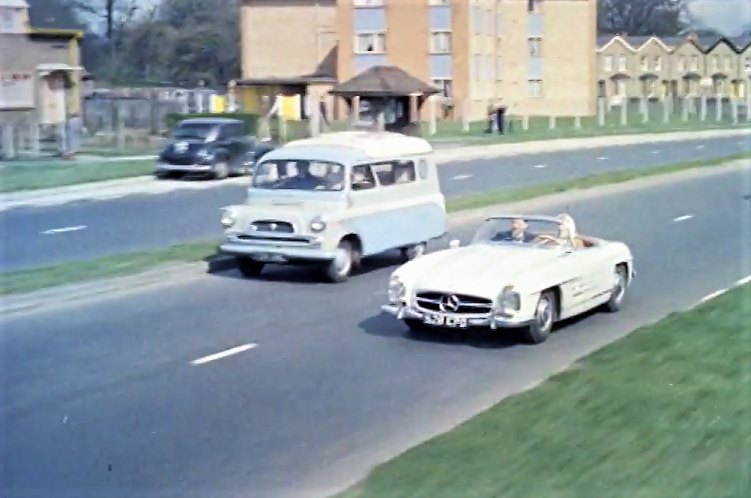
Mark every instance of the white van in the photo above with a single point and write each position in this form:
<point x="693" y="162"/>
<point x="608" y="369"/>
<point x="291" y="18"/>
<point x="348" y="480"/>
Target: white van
<point x="335" y="199"/>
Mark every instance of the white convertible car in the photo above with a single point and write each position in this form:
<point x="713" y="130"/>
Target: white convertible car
<point x="518" y="272"/>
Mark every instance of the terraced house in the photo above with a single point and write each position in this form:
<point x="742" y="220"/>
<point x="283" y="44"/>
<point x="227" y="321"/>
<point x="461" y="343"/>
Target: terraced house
<point x="40" y="71"/>
<point x="522" y="54"/>
<point x="638" y="67"/>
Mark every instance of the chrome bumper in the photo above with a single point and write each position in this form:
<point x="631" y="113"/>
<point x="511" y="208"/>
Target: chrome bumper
<point x="160" y="166"/>
<point x="276" y="251"/>
<point x="492" y="321"/>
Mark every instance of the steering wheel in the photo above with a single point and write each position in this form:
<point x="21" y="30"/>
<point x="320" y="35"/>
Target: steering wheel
<point x="545" y="239"/>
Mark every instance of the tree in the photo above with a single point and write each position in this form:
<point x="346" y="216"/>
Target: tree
<point x="642" y="17"/>
<point x="114" y="13"/>
<point x="53" y="14"/>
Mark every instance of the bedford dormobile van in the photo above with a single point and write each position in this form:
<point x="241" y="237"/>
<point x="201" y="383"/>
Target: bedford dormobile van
<point x="335" y="199"/>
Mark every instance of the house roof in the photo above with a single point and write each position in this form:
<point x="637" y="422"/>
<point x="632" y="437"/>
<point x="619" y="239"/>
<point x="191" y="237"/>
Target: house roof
<point x="383" y="81"/>
<point x="19" y="4"/>
<point x="724" y="40"/>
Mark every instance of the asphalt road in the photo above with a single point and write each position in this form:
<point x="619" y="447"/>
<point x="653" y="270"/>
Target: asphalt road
<point x="102" y="399"/>
<point x="35" y="237"/>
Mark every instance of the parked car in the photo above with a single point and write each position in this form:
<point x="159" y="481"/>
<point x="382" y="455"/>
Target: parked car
<point x="335" y="199"/>
<point x="500" y="281"/>
<point x="210" y="147"/>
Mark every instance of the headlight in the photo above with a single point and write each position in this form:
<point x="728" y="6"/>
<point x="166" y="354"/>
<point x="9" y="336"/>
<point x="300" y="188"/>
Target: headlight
<point x="317" y="224"/>
<point x="397" y="291"/>
<point x="508" y="300"/>
<point x="229" y="216"/>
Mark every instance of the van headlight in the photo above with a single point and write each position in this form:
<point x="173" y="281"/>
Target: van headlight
<point x="229" y="217"/>
<point x="317" y="224"/>
<point x="397" y="290"/>
<point x="508" y="301"/>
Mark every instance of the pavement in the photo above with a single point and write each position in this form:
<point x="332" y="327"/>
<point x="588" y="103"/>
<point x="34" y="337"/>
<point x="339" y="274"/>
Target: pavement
<point x="284" y="387"/>
<point x="39" y="235"/>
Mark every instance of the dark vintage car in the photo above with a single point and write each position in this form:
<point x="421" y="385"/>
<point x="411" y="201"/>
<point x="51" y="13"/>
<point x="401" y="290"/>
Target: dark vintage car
<point x="212" y="148"/>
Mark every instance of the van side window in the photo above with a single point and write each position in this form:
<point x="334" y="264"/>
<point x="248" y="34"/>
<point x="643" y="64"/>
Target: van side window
<point x="394" y="172"/>
<point x="362" y="178"/>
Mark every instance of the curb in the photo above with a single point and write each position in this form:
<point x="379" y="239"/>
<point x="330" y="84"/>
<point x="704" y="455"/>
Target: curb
<point x="146" y="184"/>
<point x="218" y="263"/>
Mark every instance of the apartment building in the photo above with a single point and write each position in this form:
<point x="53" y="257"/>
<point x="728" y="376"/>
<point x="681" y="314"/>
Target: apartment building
<point x="522" y="54"/>
<point x="637" y="67"/>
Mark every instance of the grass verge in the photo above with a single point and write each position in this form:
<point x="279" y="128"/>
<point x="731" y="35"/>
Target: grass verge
<point x="662" y="412"/>
<point x="15" y="177"/>
<point x="16" y="282"/>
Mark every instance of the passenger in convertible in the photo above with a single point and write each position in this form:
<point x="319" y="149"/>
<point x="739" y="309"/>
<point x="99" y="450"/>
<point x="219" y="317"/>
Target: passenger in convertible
<point x="518" y="233"/>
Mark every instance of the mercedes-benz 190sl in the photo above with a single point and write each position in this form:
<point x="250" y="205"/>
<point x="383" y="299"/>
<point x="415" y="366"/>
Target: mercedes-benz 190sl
<point x="522" y="272"/>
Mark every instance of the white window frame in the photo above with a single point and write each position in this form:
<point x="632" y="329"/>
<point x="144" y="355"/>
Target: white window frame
<point x="534" y="88"/>
<point x="620" y="87"/>
<point x="695" y="63"/>
<point x="532" y="42"/>
<point x="682" y="64"/>
<point x="622" y="63"/>
<point x="607" y="63"/>
<point x="715" y="63"/>
<point x="728" y="64"/>
<point x="747" y="63"/>
<point x="446" y="85"/>
<point x="658" y="63"/>
<point x="439" y="3"/>
<point x="644" y="63"/>
<point x="367" y="3"/>
<point x="376" y="35"/>
<point x="434" y="44"/>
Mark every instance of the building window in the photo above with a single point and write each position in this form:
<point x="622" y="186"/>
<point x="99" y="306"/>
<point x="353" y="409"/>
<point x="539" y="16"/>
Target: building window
<point x="620" y="87"/>
<point x="370" y="43"/>
<point x="608" y="63"/>
<point x="728" y="63"/>
<point x="645" y="63"/>
<point x="694" y="63"/>
<point x="658" y="63"/>
<point x="440" y="42"/>
<point x="720" y="86"/>
<point x="747" y="64"/>
<point x="682" y="64"/>
<point x="440" y="2"/>
<point x="444" y="85"/>
<point x="476" y="19"/>
<point x="622" y="66"/>
<point x="535" y="47"/>
<point x="367" y="3"/>
<point x="715" y="63"/>
<point x="534" y="6"/>
<point x="498" y="24"/>
<point x="535" y="88"/>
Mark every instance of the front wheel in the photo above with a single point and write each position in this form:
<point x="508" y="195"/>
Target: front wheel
<point x="249" y="268"/>
<point x="340" y="268"/>
<point x="539" y="330"/>
<point x="620" y="282"/>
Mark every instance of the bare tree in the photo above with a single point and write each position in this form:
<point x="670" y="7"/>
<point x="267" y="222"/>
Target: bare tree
<point x="643" y="17"/>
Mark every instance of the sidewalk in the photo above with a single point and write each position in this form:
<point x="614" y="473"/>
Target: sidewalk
<point x="148" y="185"/>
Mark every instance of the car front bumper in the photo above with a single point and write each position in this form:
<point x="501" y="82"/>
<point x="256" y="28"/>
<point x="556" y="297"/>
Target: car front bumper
<point x="493" y="321"/>
<point x="184" y="168"/>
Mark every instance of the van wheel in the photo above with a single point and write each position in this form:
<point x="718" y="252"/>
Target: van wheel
<point x="249" y="267"/>
<point x="340" y="268"/>
<point x="412" y="252"/>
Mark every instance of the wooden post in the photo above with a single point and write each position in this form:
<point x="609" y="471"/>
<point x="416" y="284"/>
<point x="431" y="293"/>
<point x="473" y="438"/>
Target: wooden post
<point x="665" y="111"/>
<point x="432" y="124"/>
<point x="644" y="109"/>
<point x="624" y="111"/>
<point x="465" y="116"/>
<point x="551" y="122"/>
<point x="718" y="108"/>
<point x="314" y="115"/>
<point x="525" y="122"/>
<point x="577" y="122"/>
<point x="355" y="112"/>
<point x="734" y="109"/>
<point x="685" y="108"/>
<point x="601" y="111"/>
<point x="703" y="111"/>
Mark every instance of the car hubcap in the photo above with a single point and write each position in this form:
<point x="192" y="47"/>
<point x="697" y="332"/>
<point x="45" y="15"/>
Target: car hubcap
<point x="618" y="287"/>
<point x="343" y="261"/>
<point x="544" y="313"/>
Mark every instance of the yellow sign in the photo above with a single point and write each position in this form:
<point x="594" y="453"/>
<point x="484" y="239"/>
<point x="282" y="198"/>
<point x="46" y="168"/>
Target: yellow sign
<point x="289" y="107"/>
<point x="218" y="103"/>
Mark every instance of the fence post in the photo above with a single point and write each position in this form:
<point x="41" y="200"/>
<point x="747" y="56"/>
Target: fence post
<point x="314" y="115"/>
<point x="34" y="137"/>
<point x="665" y="111"/>
<point x="355" y="111"/>
<point x="153" y="113"/>
<point x="703" y="111"/>
<point x="601" y="111"/>
<point x="551" y="122"/>
<point x="734" y="109"/>
<point x="465" y="116"/>
<point x="432" y="124"/>
<point x="577" y="122"/>
<point x="525" y="122"/>
<point x="120" y="126"/>
<point x="684" y="108"/>
<point x="644" y="109"/>
<point x="718" y="109"/>
<point x="624" y="111"/>
<point x="8" y="141"/>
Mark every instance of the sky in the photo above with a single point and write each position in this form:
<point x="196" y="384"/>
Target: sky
<point x="726" y="16"/>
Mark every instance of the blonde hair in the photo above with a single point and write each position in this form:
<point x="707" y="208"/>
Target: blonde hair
<point x="567" y="227"/>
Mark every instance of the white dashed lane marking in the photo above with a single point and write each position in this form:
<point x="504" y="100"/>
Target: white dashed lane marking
<point x="223" y="354"/>
<point x="602" y="158"/>
<point x="461" y="177"/>
<point x="699" y="147"/>
<point x="657" y="151"/>
<point x="63" y="230"/>
<point x="540" y="166"/>
<point x="683" y="218"/>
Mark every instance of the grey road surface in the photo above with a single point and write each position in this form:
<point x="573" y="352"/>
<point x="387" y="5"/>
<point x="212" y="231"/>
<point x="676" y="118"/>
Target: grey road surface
<point x="35" y="237"/>
<point x="102" y="399"/>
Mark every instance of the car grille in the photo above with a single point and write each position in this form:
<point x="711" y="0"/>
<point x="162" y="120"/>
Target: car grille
<point x="468" y="305"/>
<point x="271" y="226"/>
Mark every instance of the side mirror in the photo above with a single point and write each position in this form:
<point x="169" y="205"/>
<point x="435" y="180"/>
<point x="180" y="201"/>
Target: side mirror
<point x="454" y="243"/>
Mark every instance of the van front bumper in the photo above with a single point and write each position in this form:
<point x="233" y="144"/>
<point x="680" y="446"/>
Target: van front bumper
<point x="492" y="321"/>
<point x="277" y="251"/>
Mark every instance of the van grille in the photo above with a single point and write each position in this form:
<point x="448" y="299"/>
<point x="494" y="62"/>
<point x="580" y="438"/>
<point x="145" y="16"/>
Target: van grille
<point x="271" y="226"/>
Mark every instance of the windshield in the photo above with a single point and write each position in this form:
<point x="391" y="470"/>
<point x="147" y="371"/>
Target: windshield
<point x="524" y="232"/>
<point x="194" y="131"/>
<point x="299" y="175"/>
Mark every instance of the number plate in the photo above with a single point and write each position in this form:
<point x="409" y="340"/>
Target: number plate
<point x="438" y="320"/>
<point x="269" y="258"/>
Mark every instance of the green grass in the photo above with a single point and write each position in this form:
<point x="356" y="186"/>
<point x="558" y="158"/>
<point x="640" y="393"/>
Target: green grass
<point x="664" y="412"/>
<point x="508" y="195"/>
<point x="16" y="282"/>
<point x="19" y="176"/>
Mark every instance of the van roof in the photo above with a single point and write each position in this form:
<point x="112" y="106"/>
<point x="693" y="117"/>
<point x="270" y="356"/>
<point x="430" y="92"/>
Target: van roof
<point x="373" y="145"/>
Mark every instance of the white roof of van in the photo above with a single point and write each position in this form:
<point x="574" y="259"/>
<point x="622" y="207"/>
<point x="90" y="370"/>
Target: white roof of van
<point x="373" y="144"/>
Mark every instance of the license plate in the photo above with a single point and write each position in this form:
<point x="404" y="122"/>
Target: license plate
<point x="439" y="320"/>
<point x="269" y="258"/>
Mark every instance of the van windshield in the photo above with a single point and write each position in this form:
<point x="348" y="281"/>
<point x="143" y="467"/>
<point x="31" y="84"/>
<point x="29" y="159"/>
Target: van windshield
<point x="299" y="174"/>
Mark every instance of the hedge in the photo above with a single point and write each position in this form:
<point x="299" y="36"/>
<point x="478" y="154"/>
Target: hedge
<point x="250" y="120"/>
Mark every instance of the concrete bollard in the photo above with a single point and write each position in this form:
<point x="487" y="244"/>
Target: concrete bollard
<point x="718" y="109"/>
<point x="432" y="124"/>
<point x="551" y="122"/>
<point x="577" y="122"/>
<point x="703" y="110"/>
<point x="601" y="111"/>
<point x="465" y="116"/>
<point x="665" y="111"/>
<point x="624" y="112"/>
<point x="525" y="122"/>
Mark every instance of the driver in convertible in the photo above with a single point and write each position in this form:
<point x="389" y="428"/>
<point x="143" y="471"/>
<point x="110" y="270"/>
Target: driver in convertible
<point x="518" y="233"/>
